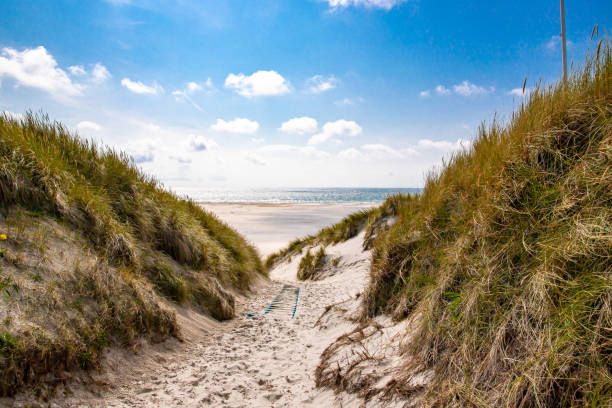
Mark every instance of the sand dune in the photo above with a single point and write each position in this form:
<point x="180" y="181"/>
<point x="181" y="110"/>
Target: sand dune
<point x="260" y="361"/>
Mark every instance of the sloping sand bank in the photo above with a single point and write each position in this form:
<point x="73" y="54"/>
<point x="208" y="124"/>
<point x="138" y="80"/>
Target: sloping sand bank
<point x="251" y="361"/>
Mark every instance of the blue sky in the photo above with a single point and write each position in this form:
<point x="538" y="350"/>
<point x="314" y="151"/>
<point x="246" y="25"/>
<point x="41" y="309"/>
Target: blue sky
<point x="232" y="94"/>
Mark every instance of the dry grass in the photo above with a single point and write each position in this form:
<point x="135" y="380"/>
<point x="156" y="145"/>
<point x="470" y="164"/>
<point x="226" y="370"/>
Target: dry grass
<point x="147" y="242"/>
<point x="311" y="265"/>
<point x="506" y="257"/>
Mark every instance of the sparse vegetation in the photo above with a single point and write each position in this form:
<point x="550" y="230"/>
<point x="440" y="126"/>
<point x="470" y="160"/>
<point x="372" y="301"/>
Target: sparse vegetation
<point x="95" y="244"/>
<point x="311" y="265"/>
<point x="505" y="259"/>
<point x="373" y="220"/>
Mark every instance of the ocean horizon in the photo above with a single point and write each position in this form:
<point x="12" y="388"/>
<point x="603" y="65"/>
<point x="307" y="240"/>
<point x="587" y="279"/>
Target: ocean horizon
<point x="330" y="195"/>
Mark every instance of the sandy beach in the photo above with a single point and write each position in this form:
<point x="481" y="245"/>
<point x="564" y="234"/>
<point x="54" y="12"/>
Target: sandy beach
<point x="258" y="360"/>
<point x="270" y="227"/>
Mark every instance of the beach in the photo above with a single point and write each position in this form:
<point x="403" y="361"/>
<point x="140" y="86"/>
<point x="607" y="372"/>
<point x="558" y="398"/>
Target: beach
<point x="271" y="226"/>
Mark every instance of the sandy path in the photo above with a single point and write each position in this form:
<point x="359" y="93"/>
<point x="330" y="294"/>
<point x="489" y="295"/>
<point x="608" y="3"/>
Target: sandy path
<point x="263" y="361"/>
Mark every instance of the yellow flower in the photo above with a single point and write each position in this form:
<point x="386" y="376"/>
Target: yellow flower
<point x="2" y="237"/>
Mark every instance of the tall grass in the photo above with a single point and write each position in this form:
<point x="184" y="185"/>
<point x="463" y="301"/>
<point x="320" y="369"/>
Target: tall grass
<point x="505" y="259"/>
<point x="145" y="234"/>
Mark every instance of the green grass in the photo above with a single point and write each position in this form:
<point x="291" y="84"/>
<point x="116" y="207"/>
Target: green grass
<point x="505" y="259"/>
<point x="311" y="265"/>
<point x="148" y="243"/>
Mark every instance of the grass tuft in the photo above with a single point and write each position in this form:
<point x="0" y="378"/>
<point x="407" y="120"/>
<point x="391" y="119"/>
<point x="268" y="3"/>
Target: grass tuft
<point x="64" y="199"/>
<point x="505" y="259"/>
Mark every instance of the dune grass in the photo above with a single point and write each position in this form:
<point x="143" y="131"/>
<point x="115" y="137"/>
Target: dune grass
<point x="372" y="220"/>
<point x="141" y="244"/>
<point x="505" y="259"/>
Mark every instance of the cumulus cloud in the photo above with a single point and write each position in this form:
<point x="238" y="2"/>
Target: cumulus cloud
<point x="466" y="88"/>
<point x="336" y="130"/>
<point x="519" y="92"/>
<point x="77" y="70"/>
<point x="260" y="83"/>
<point x="36" y="68"/>
<point x="200" y="143"/>
<point x="351" y="154"/>
<point x="87" y="125"/>
<point x="142" y="150"/>
<point x="381" y="4"/>
<point x="442" y="90"/>
<point x="319" y="83"/>
<point x="140" y="88"/>
<point x="300" y="126"/>
<point x="238" y="125"/>
<point x="99" y="73"/>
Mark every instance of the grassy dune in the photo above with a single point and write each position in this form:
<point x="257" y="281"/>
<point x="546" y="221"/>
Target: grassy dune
<point x="95" y="251"/>
<point x="505" y="259"/>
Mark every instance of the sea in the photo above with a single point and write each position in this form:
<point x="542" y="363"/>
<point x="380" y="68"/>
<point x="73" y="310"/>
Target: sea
<point x="301" y="195"/>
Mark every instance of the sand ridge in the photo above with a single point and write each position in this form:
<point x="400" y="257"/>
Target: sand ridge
<point x="260" y="361"/>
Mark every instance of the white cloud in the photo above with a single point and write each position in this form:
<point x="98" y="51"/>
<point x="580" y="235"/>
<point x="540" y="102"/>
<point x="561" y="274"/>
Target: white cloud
<point x="382" y="4"/>
<point x="337" y="129"/>
<point x="12" y="115"/>
<point x="77" y="70"/>
<point x="310" y="151"/>
<point x="257" y="139"/>
<point x="87" y="125"/>
<point x="142" y="150"/>
<point x="260" y="83"/>
<point x="238" y="125"/>
<point x="443" y="144"/>
<point x="319" y="83"/>
<point x="278" y="148"/>
<point x="36" y="68"/>
<point x="99" y="73"/>
<point x="193" y="87"/>
<point x="351" y="154"/>
<point x="200" y="143"/>
<point x="255" y="159"/>
<point x="442" y="90"/>
<point x="302" y="125"/>
<point x="140" y="88"/>
<point x="466" y="88"/>
<point x="519" y="92"/>
<point x="381" y="149"/>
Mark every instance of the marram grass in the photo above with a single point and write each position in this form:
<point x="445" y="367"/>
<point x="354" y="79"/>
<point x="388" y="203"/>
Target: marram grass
<point x="94" y="250"/>
<point x="505" y="259"/>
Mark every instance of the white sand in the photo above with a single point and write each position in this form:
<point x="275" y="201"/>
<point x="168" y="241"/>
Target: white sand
<point x="261" y="361"/>
<point x="272" y="226"/>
